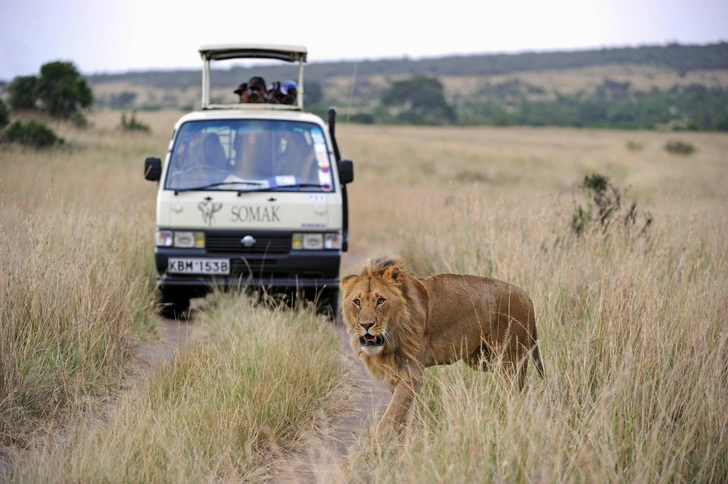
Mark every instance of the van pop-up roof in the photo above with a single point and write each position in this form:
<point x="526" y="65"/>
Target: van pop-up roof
<point x="286" y="53"/>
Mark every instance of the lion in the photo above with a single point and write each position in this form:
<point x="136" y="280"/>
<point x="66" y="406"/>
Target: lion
<point x="399" y="325"/>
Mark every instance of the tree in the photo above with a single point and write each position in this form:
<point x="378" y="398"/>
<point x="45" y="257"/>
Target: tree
<point x="62" y="89"/>
<point x="4" y="114"/>
<point x="423" y="100"/>
<point x="23" y="92"/>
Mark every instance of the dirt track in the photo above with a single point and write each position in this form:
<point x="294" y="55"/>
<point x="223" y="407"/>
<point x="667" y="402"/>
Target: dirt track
<point x="369" y="398"/>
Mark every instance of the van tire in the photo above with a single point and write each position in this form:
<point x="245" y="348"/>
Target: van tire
<point x="328" y="303"/>
<point x="173" y="304"/>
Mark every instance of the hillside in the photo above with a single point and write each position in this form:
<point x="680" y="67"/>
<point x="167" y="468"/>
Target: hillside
<point x="482" y="89"/>
<point x="681" y="59"/>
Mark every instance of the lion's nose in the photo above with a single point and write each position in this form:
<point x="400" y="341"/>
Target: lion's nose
<point x="366" y="326"/>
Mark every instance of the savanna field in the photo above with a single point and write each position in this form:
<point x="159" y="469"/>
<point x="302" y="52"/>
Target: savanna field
<point x="631" y="316"/>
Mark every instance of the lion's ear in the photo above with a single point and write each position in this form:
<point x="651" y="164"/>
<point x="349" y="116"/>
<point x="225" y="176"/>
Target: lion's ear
<point x="393" y="275"/>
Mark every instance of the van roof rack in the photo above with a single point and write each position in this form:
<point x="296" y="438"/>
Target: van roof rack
<point x="217" y="52"/>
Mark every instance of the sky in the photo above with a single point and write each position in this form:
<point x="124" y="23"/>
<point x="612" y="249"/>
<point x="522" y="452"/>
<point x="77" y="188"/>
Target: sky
<point x="101" y="36"/>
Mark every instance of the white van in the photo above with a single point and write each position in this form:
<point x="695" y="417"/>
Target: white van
<point x="250" y="195"/>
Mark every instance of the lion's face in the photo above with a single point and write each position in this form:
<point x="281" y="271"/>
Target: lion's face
<point x="371" y="304"/>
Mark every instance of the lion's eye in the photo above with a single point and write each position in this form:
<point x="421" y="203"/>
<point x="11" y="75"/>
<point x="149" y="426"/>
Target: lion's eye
<point x="357" y="302"/>
<point x="380" y="301"/>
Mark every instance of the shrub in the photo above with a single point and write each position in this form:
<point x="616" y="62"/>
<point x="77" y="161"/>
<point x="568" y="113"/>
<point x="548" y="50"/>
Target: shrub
<point x="23" y="92"/>
<point x="32" y="133"/>
<point x="679" y="148"/>
<point x="603" y="206"/>
<point x="79" y="120"/>
<point x="362" y="118"/>
<point x="132" y="124"/>
<point x="4" y="114"/>
<point x="634" y="146"/>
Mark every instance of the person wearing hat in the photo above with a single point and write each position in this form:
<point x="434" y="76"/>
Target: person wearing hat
<point x="275" y="96"/>
<point x="257" y="91"/>
<point x="242" y="92"/>
<point x="289" y="89"/>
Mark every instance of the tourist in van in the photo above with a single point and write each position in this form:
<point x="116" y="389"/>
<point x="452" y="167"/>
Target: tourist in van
<point x="257" y="90"/>
<point x="289" y="89"/>
<point x="275" y="96"/>
<point x="242" y="92"/>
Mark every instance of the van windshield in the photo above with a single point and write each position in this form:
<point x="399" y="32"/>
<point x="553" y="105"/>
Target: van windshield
<point x="243" y="155"/>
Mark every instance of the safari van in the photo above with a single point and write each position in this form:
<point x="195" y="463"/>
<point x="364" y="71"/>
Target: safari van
<point x="250" y="195"/>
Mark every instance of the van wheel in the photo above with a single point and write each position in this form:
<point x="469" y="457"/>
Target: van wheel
<point x="173" y="304"/>
<point x="328" y="303"/>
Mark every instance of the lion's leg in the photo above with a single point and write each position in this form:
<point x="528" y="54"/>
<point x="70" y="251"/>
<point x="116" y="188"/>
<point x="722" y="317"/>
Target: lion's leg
<point x="480" y="359"/>
<point x="395" y="418"/>
<point x="515" y="363"/>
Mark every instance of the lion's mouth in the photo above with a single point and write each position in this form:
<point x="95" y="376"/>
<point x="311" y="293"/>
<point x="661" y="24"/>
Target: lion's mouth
<point x="370" y="340"/>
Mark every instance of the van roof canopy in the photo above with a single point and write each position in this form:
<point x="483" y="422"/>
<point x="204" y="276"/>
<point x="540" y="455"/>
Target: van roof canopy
<point x="287" y="53"/>
<point x="217" y="52"/>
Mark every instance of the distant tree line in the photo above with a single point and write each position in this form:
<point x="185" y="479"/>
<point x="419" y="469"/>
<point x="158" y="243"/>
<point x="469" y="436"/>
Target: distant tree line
<point x="677" y="57"/>
<point x="61" y="91"/>
<point x="613" y="105"/>
<point x="420" y="100"/>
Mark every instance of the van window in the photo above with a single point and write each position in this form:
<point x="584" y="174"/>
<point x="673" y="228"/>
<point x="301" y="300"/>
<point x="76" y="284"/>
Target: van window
<point x="250" y="154"/>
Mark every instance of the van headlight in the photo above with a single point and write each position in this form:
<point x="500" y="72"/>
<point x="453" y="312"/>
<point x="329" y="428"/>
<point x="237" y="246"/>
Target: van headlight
<point x="316" y="241"/>
<point x="179" y="238"/>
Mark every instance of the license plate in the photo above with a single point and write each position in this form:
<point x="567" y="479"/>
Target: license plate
<point x="198" y="266"/>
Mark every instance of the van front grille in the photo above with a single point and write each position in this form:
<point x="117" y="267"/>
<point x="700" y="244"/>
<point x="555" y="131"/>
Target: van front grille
<point x="232" y="243"/>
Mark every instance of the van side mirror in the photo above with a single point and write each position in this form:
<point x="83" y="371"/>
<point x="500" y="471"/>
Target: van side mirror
<point x="346" y="171"/>
<point x="152" y="168"/>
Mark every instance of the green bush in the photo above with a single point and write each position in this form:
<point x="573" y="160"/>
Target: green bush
<point x="32" y="133"/>
<point x="62" y="89"/>
<point x="132" y="124"/>
<point x="634" y="146"/>
<point x="79" y="120"/>
<point x="362" y="118"/>
<point x="4" y="114"/>
<point x="603" y="206"/>
<point x="23" y="92"/>
<point x="679" y="148"/>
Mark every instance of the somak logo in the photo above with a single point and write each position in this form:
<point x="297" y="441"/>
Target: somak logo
<point x="208" y="209"/>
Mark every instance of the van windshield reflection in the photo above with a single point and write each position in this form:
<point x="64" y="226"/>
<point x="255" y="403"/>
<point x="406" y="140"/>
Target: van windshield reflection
<point x="249" y="155"/>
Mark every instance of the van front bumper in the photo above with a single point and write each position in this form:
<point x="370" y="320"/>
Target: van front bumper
<point x="297" y="270"/>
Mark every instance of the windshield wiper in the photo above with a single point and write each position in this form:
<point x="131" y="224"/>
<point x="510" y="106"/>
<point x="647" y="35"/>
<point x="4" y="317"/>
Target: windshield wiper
<point x="281" y="187"/>
<point x="298" y="185"/>
<point x="213" y="185"/>
<point x="260" y="186"/>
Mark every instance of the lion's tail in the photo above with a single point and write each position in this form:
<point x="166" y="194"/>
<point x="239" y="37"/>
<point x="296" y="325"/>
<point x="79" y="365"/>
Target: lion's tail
<point x="536" y="353"/>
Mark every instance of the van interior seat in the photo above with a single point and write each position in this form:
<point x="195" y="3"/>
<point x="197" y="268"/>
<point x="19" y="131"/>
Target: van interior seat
<point x="214" y="152"/>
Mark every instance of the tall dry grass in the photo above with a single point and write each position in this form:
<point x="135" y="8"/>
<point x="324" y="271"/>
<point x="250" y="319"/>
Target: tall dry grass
<point x="633" y="337"/>
<point x="76" y="272"/>
<point x="78" y="250"/>
<point x="228" y="409"/>
<point x="632" y="329"/>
